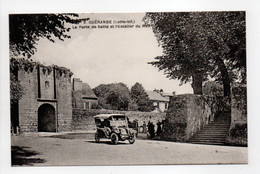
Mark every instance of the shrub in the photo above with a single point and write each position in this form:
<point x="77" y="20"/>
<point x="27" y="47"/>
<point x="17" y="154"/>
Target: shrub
<point x="239" y="131"/>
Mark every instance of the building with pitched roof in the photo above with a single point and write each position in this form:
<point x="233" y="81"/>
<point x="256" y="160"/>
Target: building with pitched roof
<point x="82" y="95"/>
<point x="160" y="102"/>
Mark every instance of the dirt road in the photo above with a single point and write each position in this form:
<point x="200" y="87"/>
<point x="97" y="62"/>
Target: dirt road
<point x="81" y="149"/>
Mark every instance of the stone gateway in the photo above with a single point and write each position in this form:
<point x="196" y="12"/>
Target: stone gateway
<point x="46" y="103"/>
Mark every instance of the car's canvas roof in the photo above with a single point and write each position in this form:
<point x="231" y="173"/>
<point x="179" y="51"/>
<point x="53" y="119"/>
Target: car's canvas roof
<point x="104" y="116"/>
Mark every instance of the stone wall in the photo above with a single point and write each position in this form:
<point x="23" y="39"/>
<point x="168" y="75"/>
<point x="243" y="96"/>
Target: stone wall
<point x="187" y="114"/>
<point x="238" y="128"/>
<point x="198" y="114"/>
<point x="83" y="119"/>
<point x="28" y="106"/>
<point x="238" y="105"/>
<point x="64" y="101"/>
<point x="77" y="99"/>
<point x="77" y="93"/>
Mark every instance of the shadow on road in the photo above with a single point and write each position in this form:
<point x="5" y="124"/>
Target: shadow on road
<point x="22" y="156"/>
<point x="71" y="136"/>
<point x="109" y="143"/>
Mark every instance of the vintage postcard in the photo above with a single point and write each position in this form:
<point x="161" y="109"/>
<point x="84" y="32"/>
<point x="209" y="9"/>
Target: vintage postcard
<point x="104" y="89"/>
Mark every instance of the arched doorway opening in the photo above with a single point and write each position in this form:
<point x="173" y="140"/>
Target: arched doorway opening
<point x="46" y="118"/>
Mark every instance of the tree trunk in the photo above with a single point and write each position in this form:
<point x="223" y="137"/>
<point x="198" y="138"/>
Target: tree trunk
<point x="197" y="83"/>
<point x="224" y="77"/>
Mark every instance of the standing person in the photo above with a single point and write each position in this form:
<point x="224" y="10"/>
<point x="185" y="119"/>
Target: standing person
<point x="144" y="127"/>
<point x="151" y="129"/>
<point x="163" y="122"/>
<point x="159" y="128"/>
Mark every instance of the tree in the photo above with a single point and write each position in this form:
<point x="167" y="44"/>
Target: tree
<point x="213" y="88"/>
<point x="118" y="96"/>
<point x="27" y="29"/>
<point x="141" y="98"/>
<point x="198" y="45"/>
<point x="16" y="91"/>
<point x="113" y="96"/>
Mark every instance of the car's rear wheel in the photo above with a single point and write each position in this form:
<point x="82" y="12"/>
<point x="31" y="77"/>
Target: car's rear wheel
<point x="132" y="139"/>
<point x="97" y="138"/>
<point x="114" y="138"/>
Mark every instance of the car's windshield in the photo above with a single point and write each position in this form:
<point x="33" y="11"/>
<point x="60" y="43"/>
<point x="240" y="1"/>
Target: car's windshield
<point x="121" y="117"/>
<point x="119" y="121"/>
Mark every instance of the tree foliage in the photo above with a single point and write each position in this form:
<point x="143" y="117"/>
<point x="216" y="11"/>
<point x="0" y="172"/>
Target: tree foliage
<point x="26" y="29"/>
<point x="198" y="45"/>
<point x="113" y="96"/>
<point x="213" y="88"/>
<point x="118" y="97"/>
<point x="141" y="98"/>
<point x="16" y="90"/>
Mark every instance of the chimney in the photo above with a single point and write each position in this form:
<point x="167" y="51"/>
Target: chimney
<point x="77" y="84"/>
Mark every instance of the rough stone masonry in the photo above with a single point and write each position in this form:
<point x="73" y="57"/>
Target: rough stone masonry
<point x="46" y="103"/>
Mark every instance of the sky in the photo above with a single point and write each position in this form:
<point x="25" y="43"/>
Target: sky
<point x="110" y="55"/>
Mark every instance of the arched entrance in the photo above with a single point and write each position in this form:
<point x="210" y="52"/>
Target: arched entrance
<point x="46" y="118"/>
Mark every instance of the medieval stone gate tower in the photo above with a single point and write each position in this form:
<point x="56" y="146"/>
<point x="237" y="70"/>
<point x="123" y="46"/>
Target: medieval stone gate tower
<point x="46" y="103"/>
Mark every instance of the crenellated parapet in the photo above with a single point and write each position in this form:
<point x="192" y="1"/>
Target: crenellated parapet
<point x="29" y="66"/>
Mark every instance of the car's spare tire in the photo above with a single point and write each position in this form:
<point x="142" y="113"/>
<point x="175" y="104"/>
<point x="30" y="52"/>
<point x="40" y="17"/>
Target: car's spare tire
<point x="114" y="138"/>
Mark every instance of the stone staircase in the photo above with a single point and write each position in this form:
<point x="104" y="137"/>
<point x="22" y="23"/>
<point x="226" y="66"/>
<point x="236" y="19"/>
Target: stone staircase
<point x="215" y="132"/>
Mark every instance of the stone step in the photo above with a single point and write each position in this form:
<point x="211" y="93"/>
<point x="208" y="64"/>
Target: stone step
<point x="210" y="132"/>
<point x="208" y="139"/>
<point x="214" y="130"/>
<point x="222" y="119"/>
<point x="226" y="124"/>
<point x="210" y="136"/>
<point x="208" y="143"/>
<point x="210" y="127"/>
<point x="217" y="127"/>
<point x="217" y="123"/>
<point x="213" y="133"/>
<point x="214" y="140"/>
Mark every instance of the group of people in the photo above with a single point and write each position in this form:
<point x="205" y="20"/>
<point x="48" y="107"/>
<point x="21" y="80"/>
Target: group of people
<point x="151" y="128"/>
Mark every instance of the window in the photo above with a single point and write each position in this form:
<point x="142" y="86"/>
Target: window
<point x="86" y="105"/>
<point x="166" y="105"/>
<point x="47" y="84"/>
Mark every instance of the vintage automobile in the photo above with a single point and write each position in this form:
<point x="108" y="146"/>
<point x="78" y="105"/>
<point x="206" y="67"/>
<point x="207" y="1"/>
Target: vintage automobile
<point x="115" y="127"/>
